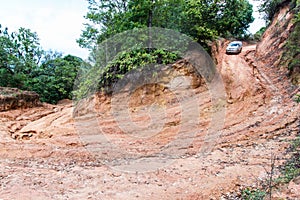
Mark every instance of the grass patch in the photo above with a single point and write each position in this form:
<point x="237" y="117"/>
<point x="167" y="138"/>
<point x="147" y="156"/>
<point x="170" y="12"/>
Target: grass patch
<point x="288" y="171"/>
<point x="253" y="194"/>
<point x="297" y="98"/>
<point x="291" y="169"/>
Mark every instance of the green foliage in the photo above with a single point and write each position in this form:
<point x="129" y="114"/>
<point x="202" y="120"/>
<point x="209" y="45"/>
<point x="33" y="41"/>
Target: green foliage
<point x="292" y="167"/>
<point x="218" y="18"/>
<point x="269" y="8"/>
<point x="20" y="54"/>
<point x="104" y="78"/>
<point x="292" y="47"/>
<point x="116" y="16"/>
<point x="24" y="65"/>
<point x="253" y="194"/>
<point x="291" y="55"/>
<point x="201" y="19"/>
<point x="297" y="98"/>
<point x="259" y="33"/>
<point x="20" y="51"/>
<point x="11" y="80"/>
<point x="108" y="16"/>
<point x="54" y="79"/>
<point x="127" y="61"/>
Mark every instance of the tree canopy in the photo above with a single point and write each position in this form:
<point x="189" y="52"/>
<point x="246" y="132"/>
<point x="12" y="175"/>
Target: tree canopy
<point x="25" y="65"/>
<point x="202" y="19"/>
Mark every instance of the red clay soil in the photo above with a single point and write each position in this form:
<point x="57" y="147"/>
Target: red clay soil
<point x="56" y="152"/>
<point x="13" y="98"/>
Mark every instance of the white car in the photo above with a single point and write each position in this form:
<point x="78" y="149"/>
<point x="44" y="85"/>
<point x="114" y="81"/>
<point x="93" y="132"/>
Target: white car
<point x="234" y="47"/>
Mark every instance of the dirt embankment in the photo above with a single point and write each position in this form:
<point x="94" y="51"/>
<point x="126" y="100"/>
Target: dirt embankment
<point x="56" y="152"/>
<point x="270" y="48"/>
<point x="149" y="145"/>
<point x="273" y="51"/>
<point x="12" y="98"/>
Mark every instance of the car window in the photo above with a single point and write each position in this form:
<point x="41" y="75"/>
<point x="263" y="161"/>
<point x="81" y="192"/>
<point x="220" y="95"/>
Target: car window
<point x="234" y="45"/>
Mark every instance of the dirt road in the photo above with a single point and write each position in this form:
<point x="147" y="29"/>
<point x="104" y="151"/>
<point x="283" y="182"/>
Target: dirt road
<point x="46" y="153"/>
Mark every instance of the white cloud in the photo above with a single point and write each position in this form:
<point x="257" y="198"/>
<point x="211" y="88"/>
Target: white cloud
<point x="258" y="22"/>
<point x="58" y="23"/>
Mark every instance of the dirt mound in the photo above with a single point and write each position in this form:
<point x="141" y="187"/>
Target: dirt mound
<point x="180" y="75"/>
<point x="13" y="98"/>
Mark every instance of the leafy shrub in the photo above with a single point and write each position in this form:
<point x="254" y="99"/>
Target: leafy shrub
<point x="292" y="167"/>
<point x="253" y="194"/>
<point x="103" y="78"/>
<point x="135" y="59"/>
<point x="258" y="34"/>
<point x="297" y="98"/>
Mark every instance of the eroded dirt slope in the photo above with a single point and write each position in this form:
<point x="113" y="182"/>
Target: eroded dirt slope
<point x="49" y="153"/>
<point x="12" y="98"/>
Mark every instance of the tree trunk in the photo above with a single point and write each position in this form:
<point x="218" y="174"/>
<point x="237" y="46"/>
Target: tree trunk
<point x="150" y="17"/>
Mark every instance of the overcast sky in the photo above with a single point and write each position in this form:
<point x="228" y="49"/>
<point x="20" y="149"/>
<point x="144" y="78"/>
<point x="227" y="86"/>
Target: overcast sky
<point x="58" y="23"/>
<point x="258" y="22"/>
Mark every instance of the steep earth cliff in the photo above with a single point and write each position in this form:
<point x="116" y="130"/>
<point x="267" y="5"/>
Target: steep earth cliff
<point x="165" y="144"/>
<point x="279" y="45"/>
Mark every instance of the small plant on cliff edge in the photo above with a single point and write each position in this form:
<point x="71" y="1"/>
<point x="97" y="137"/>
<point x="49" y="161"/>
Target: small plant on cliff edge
<point x="104" y="77"/>
<point x="253" y="194"/>
<point x="297" y="98"/>
<point x="258" y="34"/>
<point x="292" y="167"/>
<point x="291" y="55"/>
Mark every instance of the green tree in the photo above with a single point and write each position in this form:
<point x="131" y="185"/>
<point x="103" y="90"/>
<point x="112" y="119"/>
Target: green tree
<point x="211" y="18"/>
<point x="107" y="18"/>
<point x="20" y="54"/>
<point x="54" y="79"/>
<point x="25" y="65"/>
<point x="201" y="19"/>
<point x="269" y="8"/>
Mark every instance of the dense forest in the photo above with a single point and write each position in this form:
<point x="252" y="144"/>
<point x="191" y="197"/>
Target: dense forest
<point x="201" y="20"/>
<point x="25" y="65"/>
